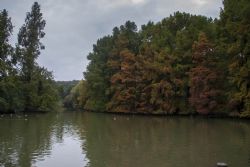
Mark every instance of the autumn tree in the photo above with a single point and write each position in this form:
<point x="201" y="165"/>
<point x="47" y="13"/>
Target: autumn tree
<point x="186" y="28"/>
<point x="161" y="69"/>
<point x="123" y="83"/>
<point x="123" y="67"/>
<point x="204" y="79"/>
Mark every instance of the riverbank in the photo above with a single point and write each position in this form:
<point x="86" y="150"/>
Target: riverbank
<point x="180" y="114"/>
<point x="148" y="114"/>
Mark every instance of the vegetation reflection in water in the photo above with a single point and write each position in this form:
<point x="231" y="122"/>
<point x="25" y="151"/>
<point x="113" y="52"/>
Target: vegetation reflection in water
<point x="105" y="140"/>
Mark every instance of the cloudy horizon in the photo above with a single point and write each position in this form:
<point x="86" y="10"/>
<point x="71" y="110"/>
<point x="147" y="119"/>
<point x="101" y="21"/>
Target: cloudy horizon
<point x="72" y="27"/>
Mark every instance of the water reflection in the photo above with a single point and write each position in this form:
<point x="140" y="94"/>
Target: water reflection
<point x="21" y="137"/>
<point x="99" y="140"/>
<point x="165" y="142"/>
<point x="42" y="140"/>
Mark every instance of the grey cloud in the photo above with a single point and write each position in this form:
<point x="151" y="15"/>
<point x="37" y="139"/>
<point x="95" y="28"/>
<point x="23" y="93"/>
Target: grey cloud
<point x="73" y="26"/>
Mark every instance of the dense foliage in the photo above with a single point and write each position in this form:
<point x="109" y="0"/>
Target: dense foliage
<point x="24" y="85"/>
<point x="64" y="87"/>
<point x="76" y="98"/>
<point x="183" y="64"/>
<point x="235" y="40"/>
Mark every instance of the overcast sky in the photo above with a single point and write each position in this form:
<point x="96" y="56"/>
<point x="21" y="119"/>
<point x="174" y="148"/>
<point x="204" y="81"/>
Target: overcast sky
<point x="73" y="26"/>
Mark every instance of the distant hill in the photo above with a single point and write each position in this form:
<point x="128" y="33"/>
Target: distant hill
<point x="64" y="87"/>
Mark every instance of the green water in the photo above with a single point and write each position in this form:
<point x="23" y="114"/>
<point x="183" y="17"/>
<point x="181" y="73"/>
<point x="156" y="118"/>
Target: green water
<point x="74" y="139"/>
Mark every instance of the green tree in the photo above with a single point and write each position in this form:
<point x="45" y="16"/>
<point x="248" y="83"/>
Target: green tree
<point x="77" y="97"/>
<point x="235" y="39"/>
<point x="97" y="75"/>
<point x="9" y="91"/>
<point x="157" y="92"/>
<point x="37" y="88"/>
<point x="6" y="49"/>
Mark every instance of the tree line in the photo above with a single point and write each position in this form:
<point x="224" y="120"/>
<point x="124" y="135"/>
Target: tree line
<point x="24" y="85"/>
<point x="184" y="64"/>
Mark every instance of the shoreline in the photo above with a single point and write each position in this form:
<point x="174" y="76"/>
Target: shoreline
<point x="222" y="116"/>
<point x="149" y="114"/>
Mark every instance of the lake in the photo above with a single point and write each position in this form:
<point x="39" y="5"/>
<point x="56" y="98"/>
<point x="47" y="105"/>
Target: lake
<point x="79" y="139"/>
